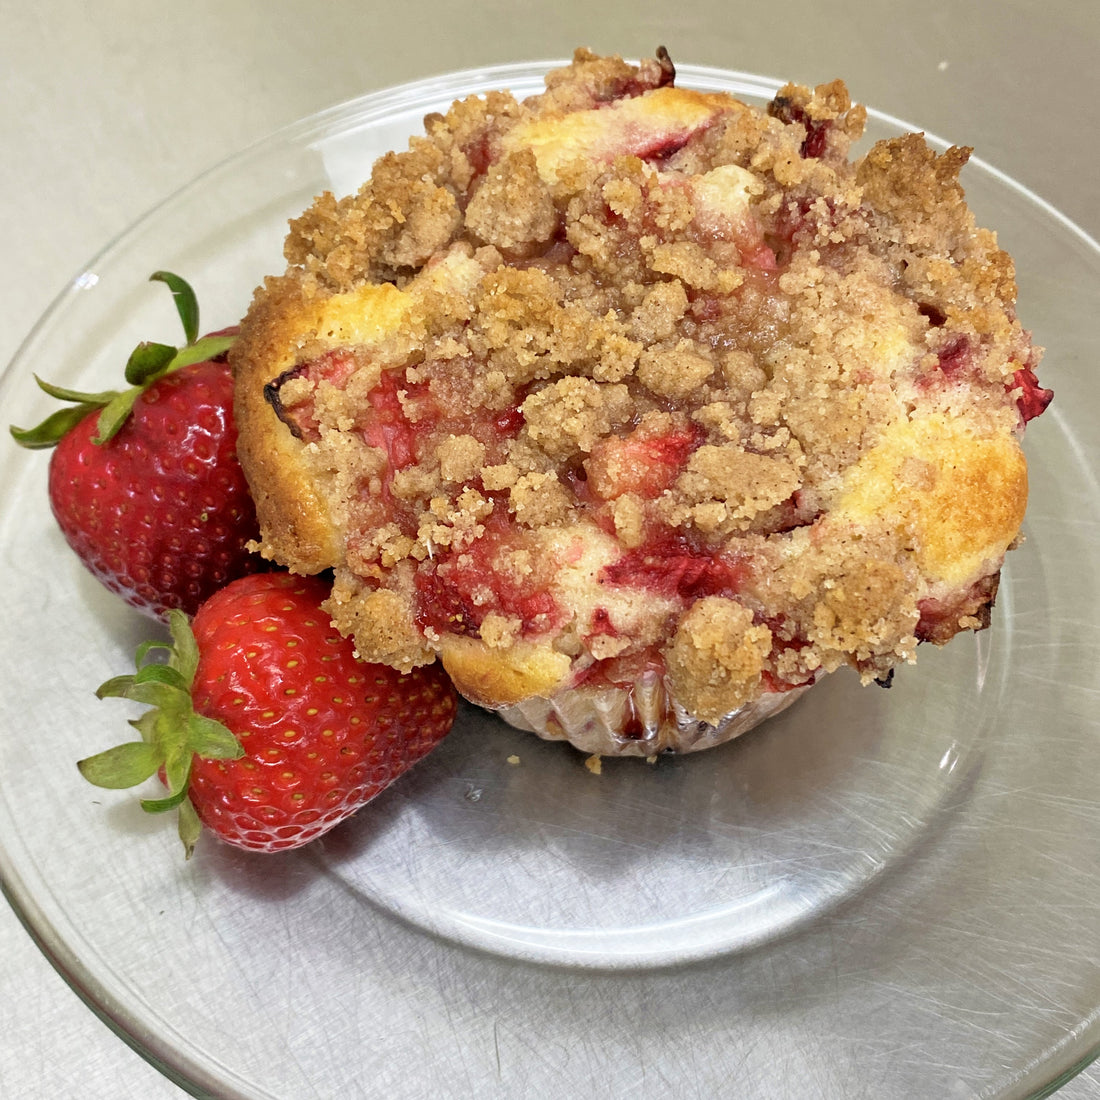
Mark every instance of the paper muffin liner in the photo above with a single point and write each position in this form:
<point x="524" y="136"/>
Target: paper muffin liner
<point x="638" y="719"/>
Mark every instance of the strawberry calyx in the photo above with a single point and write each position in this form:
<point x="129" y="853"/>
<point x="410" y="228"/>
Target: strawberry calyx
<point x="172" y="732"/>
<point x="148" y="363"/>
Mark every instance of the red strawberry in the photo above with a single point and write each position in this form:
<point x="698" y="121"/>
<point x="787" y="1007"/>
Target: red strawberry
<point x="262" y="667"/>
<point x="643" y="462"/>
<point x="145" y="483"/>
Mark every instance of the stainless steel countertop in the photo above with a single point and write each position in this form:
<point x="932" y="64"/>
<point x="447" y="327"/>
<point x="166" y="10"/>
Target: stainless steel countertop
<point x="107" y="108"/>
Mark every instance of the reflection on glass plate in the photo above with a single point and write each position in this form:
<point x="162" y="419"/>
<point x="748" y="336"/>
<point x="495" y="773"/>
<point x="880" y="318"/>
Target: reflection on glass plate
<point x="886" y="894"/>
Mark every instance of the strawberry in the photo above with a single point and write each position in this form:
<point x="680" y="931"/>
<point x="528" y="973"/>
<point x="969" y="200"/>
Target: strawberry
<point x="145" y="482"/>
<point x="266" y="727"/>
<point x="643" y="462"/>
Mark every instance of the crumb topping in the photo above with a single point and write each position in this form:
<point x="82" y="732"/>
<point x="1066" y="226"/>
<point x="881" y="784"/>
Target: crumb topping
<point x="716" y="657"/>
<point x="626" y="378"/>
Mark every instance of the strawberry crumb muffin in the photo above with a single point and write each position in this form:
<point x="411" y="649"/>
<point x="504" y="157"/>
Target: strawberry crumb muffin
<point x="641" y="408"/>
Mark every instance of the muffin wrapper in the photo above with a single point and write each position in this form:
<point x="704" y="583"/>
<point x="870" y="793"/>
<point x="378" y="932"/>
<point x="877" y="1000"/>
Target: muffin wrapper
<point x="639" y="719"/>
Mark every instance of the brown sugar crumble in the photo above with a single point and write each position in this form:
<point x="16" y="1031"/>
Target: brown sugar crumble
<point x="626" y="380"/>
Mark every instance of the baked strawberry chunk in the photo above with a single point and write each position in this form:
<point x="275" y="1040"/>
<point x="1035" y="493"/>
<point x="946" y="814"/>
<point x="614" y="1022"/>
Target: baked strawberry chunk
<point x="1033" y="398"/>
<point x="456" y="591"/>
<point x="672" y="567"/>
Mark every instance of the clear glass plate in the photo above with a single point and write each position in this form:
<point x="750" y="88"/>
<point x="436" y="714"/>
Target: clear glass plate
<point x="877" y="894"/>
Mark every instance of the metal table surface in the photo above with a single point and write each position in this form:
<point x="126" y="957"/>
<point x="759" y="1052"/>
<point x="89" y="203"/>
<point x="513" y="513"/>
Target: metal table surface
<point x="106" y="108"/>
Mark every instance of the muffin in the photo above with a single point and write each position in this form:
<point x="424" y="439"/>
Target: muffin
<point x="642" y="408"/>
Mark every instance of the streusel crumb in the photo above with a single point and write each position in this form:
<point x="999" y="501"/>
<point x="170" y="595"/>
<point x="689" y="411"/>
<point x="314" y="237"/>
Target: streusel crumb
<point x="627" y="384"/>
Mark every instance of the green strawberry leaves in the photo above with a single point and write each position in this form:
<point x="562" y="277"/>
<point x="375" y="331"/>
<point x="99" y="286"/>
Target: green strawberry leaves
<point x="55" y="426"/>
<point x="148" y="362"/>
<point x="187" y="305"/>
<point x="125" y="765"/>
<point x="172" y="733"/>
<point x="189" y="827"/>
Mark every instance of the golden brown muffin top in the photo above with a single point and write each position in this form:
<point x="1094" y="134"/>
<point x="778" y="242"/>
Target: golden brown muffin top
<point x="628" y="376"/>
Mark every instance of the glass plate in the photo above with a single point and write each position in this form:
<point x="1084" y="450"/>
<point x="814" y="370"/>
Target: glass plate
<point x="880" y="894"/>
